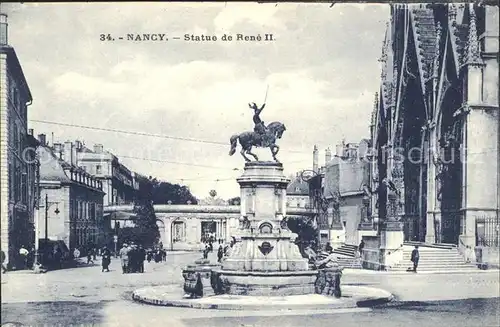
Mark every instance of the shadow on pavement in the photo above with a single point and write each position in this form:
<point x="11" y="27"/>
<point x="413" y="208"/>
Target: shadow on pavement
<point x="64" y="313"/>
<point x="467" y="306"/>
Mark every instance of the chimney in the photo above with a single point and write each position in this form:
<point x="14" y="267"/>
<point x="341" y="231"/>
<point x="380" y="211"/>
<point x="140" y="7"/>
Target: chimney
<point x="315" y="159"/>
<point x="78" y="145"/>
<point x="30" y="131"/>
<point x="58" y="149"/>
<point x="98" y="148"/>
<point x="42" y="138"/>
<point x="340" y="150"/>
<point x="68" y="152"/>
<point x="328" y="155"/>
<point x="74" y="155"/>
<point x="3" y="29"/>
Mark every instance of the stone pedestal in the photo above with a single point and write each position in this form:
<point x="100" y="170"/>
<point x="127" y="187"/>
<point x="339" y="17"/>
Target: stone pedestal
<point x="199" y="273"/>
<point x="328" y="282"/>
<point x="265" y="260"/>
<point x="391" y="238"/>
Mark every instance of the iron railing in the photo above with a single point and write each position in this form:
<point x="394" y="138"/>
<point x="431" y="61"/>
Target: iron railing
<point x="488" y="231"/>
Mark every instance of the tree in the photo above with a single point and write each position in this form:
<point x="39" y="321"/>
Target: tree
<point x="145" y="231"/>
<point x="163" y="192"/>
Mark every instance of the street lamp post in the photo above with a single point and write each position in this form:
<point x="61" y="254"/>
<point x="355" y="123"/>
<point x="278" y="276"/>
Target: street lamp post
<point x="46" y="237"/>
<point x="47" y="205"/>
<point x="115" y="240"/>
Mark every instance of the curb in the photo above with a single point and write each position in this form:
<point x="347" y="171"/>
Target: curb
<point x="365" y="303"/>
<point x="348" y="301"/>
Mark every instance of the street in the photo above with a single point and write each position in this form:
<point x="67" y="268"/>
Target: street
<point x="85" y="295"/>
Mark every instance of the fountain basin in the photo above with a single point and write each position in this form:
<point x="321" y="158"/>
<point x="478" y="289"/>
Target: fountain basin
<point x="260" y="283"/>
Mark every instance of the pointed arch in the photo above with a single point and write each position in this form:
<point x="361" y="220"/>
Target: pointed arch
<point x="449" y="176"/>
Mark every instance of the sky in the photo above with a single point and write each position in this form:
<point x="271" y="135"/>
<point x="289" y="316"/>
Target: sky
<point x="321" y="72"/>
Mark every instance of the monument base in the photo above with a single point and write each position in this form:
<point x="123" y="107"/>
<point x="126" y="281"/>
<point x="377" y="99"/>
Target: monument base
<point x="198" y="278"/>
<point x="277" y="283"/>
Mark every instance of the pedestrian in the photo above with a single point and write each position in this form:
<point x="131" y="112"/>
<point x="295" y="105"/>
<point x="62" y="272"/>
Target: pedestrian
<point x="220" y="253"/>
<point x="149" y="255"/>
<point x="361" y="246"/>
<point x="132" y="258"/>
<point x="124" y="257"/>
<point x="164" y="254"/>
<point x="157" y="256"/>
<point x="76" y="253"/>
<point x="328" y="247"/>
<point x="94" y="253"/>
<point x="89" y="256"/>
<point x="415" y="256"/>
<point x="106" y="259"/>
<point x="24" y="256"/>
<point x="141" y="256"/>
<point x="205" y="252"/>
<point x="3" y="257"/>
<point x="31" y="258"/>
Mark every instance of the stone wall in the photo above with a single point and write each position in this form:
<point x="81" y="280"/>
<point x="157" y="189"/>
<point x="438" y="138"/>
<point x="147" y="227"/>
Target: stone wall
<point x="371" y="253"/>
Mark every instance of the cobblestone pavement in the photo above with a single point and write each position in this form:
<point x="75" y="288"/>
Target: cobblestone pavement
<point x="85" y="295"/>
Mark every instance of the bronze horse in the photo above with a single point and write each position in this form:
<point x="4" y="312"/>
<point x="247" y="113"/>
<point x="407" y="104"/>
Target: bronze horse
<point x="249" y="139"/>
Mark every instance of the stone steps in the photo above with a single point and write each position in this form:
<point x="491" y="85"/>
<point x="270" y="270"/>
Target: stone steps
<point x="434" y="257"/>
<point x="347" y="250"/>
<point x="349" y="262"/>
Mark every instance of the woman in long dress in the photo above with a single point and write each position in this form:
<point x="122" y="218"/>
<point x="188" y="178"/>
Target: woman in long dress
<point x="106" y="259"/>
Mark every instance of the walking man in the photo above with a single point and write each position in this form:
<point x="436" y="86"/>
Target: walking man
<point x="361" y="246"/>
<point x="220" y="253"/>
<point x="89" y="256"/>
<point x="124" y="257"/>
<point x="414" y="258"/>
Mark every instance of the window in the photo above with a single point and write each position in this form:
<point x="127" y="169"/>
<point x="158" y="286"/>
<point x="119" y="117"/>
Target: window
<point x="80" y="210"/>
<point x="98" y="169"/>
<point x="16" y="138"/>
<point x="92" y="213"/>
<point x="14" y="97"/>
<point x="24" y="187"/>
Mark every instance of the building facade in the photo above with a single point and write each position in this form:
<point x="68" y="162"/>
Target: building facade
<point x="436" y="126"/>
<point x="184" y="227"/>
<point x="297" y="193"/>
<point x="18" y="167"/>
<point x="71" y="205"/>
<point x="117" y="180"/>
<point x="346" y="176"/>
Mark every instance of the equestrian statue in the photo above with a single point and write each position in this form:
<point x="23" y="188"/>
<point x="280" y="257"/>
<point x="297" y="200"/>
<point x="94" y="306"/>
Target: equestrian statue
<point x="262" y="136"/>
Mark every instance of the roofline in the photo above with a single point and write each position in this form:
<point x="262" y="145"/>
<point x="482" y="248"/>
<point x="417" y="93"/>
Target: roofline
<point x="11" y="54"/>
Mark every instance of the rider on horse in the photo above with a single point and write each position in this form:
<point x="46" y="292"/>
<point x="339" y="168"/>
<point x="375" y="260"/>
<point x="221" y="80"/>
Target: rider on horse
<point x="260" y="128"/>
